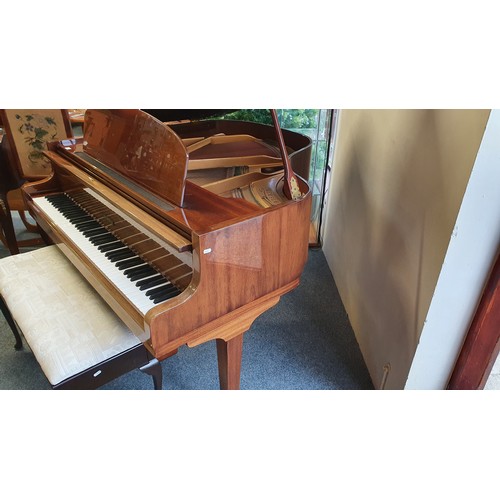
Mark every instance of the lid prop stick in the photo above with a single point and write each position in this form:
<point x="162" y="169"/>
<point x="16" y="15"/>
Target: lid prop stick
<point x="291" y="188"/>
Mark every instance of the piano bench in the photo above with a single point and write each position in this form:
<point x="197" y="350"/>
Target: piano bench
<point x="78" y="341"/>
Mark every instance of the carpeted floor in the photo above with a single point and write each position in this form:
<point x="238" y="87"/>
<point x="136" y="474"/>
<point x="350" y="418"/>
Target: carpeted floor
<point x="303" y="343"/>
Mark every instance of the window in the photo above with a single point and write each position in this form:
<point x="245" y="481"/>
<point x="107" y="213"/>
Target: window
<point x="317" y="125"/>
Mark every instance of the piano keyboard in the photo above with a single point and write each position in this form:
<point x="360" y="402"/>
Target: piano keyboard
<point x="144" y="271"/>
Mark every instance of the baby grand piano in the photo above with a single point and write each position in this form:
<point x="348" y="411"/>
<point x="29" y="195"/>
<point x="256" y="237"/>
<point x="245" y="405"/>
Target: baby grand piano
<point x="179" y="261"/>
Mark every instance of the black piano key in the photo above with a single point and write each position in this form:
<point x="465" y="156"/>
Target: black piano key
<point x="68" y="207"/>
<point x="118" y="251"/>
<point x="143" y="274"/>
<point x="138" y="268"/>
<point x="57" y="196"/>
<point x="66" y="203"/>
<point x="120" y="254"/>
<point x="61" y="201"/>
<point x="92" y="227"/>
<point x="125" y="262"/>
<point x="136" y="273"/>
<point x="151" y="282"/>
<point x="110" y="246"/>
<point x="90" y="223"/>
<point x="165" y="296"/>
<point x="72" y="212"/>
<point x="79" y="220"/>
<point x="122" y="258"/>
<point x="129" y="263"/>
<point x="155" y="291"/>
<point x="94" y="231"/>
<point x="75" y="213"/>
<point x="162" y="294"/>
<point x="102" y="238"/>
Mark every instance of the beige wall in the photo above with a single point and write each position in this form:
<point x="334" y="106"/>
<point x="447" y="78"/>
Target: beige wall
<point x="397" y="184"/>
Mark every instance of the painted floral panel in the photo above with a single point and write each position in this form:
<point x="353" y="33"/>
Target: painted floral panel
<point x="31" y="130"/>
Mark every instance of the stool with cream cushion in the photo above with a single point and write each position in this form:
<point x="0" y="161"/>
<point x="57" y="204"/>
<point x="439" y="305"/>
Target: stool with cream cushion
<point x="78" y="341"/>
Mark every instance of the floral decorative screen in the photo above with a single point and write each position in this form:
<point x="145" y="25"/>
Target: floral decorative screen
<point x="30" y="131"/>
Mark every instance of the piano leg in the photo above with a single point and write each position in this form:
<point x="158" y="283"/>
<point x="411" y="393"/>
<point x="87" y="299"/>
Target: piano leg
<point x="12" y="324"/>
<point x="229" y="358"/>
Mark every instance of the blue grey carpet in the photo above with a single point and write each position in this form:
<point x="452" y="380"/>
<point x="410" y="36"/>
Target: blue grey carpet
<point x="304" y="343"/>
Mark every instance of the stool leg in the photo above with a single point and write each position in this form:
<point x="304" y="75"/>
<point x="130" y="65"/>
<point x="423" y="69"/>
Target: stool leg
<point x="153" y="368"/>
<point x="12" y="324"/>
<point x="7" y="226"/>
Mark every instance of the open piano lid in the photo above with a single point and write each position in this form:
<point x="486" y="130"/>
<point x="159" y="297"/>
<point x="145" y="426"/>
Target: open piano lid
<point x="132" y="146"/>
<point x="137" y="145"/>
<point x="219" y="147"/>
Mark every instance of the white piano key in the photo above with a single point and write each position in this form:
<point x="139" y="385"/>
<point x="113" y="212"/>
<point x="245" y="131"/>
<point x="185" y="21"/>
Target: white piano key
<point x="128" y="288"/>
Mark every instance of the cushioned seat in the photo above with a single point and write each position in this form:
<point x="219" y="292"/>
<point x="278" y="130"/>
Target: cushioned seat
<point x="67" y="325"/>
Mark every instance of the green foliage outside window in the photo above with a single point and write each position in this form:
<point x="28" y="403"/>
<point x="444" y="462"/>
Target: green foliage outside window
<point x="309" y="122"/>
<point x="289" y="118"/>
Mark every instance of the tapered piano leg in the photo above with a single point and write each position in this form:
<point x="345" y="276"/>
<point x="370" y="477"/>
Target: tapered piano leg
<point x="229" y="358"/>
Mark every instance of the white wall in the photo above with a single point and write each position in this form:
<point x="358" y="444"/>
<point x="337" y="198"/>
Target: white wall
<point x="396" y="187"/>
<point x="471" y="252"/>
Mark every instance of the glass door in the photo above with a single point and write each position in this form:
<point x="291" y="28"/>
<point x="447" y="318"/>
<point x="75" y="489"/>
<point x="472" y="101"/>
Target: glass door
<point x="318" y="125"/>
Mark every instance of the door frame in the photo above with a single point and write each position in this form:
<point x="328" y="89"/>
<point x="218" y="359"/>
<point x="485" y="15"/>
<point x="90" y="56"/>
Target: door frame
<point x="482" y="343"/>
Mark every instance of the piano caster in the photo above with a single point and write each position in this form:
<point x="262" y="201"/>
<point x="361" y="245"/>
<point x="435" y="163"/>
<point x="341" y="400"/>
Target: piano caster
<point x="229" y="359"/>
<point x="153" y="368"/>
<point x="10" y="320"/>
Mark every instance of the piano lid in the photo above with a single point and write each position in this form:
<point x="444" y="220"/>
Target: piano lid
<point x="139" y="147"/>
<point x="150" y="160"/>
